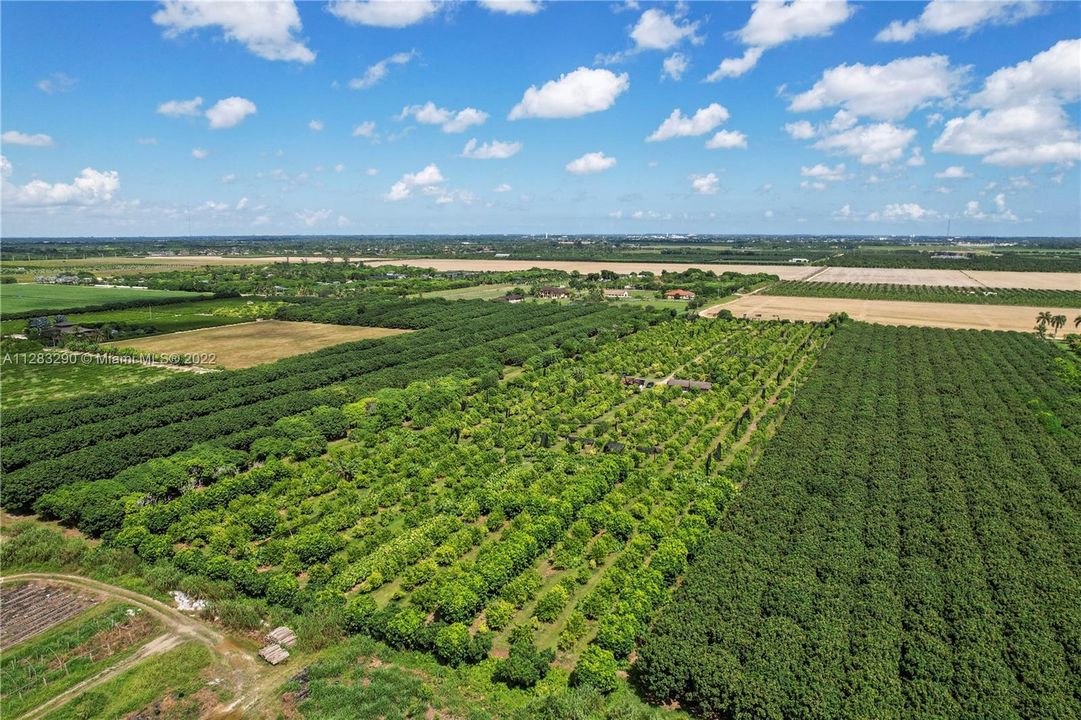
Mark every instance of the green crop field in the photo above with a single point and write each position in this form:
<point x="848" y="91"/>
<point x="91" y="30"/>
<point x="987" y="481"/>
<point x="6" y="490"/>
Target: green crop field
<point x="27" y="297"/>
<point x="166" y="318"/>
<point x="928" y="293"/>
<point x="37" y="377"/>
<point x="591" y="509"/>
<point x="906" y="548"/>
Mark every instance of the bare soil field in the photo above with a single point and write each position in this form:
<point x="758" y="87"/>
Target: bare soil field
<point x="247" y="344"/>
<point x="32" y="608"/>
<point x="950" y="278"/>
<point x="889" y="312"/>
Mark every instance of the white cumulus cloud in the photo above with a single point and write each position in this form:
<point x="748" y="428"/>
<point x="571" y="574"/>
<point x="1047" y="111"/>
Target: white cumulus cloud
<point x="364" y="129"/>
<point x="953" y="172"/>
<point x="677" y="125"/>
<point x="882" y="92"/>
<point x="822" y="171"/>
<point x="375" y="73"/>
<point x="574" y="94"/>
<point x="734" y="67"/>
<point x="199" y="153"/>
<point x="872" y="144"/>
<point x="230" y="112"/>
<point x="657" y="30"/>
<point x="708" y="184"/>
<point x="513" y="7"/>
<point x="452" y="121"/>
<point x="674" y="66"/>
<point x="266" y="28"/>
<point x="589" y="163"/>
<point x="181" y="108"/>
<point x="14" y="137"/>
<point x="945" y="16"/>
<point x="727" y="140"/>
<point x="774" y="23"/>
<point x="494" y="150"/>
<point x="316" y="125"/>
<point x="1023" y="120"/>
<point x="91" y="187"/>
<point x="425" y="179"/>
<point x="384" y="13"/>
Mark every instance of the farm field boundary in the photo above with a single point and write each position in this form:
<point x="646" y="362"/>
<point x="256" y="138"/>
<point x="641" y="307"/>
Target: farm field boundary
<point x="905" y="547"/>
<point x="890" y="312"/>
<point x="927" y="293"/>
<point x="243" y="345"/>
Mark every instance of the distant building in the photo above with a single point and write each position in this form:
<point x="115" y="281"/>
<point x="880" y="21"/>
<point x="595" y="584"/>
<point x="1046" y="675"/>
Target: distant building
<point x="799" y="261"/>
<point x="679" y="295"/>
<point x="502" y="255"/>
<point x="617" y="294"/>
<point x="512" y="298"/>
<point x="689" y="384"/>
<point x="64" y="330"/>
<point x="547" y="291"/>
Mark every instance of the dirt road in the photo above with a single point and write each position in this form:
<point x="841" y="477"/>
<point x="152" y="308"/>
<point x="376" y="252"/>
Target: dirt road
<point x="250" y="680"/>
<point x="889" y="312"/>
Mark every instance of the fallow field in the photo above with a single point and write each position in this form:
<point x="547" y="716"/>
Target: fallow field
<point x="247" y="344"/>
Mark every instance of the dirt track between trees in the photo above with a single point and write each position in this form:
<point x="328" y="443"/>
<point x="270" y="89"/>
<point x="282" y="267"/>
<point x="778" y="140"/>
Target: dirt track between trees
<point x="250" y="680"/>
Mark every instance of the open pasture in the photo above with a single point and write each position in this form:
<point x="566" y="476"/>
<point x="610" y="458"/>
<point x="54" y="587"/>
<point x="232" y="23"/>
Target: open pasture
<point x="890" y="312"/>
<point x="255" y="343"/>
<point x="26" y="297"/>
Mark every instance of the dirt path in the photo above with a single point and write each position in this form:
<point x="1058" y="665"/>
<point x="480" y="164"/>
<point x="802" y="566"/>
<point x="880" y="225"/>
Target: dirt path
<point x="157" y="646"/>
<point x="250" y="680"/>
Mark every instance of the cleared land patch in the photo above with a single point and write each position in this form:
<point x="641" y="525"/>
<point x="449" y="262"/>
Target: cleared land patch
<point x="30" y="609"/>
<point x="247" y="344"/>
<point x="25" y="297"/>
<point x="889" y="312"/>
<point x="947" y="278"/>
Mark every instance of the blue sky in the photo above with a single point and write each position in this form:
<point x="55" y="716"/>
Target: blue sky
<point x="867" y="118"/>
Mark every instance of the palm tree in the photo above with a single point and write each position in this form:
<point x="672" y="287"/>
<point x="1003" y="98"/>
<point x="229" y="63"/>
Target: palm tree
<point x="1057" y="322"/>
<point x="1041" y="322"/>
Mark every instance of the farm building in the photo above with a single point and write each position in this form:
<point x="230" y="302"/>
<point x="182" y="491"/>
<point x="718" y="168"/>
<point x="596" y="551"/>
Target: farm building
<point x="679" y="295"/>
<point x="513" y="298"/>
<point x="64" y="330"/>
<point x="617" y="294"/>
<point x="799" y="261"/>
<point x="547" y="291"/>
<point x="689" y="384"/>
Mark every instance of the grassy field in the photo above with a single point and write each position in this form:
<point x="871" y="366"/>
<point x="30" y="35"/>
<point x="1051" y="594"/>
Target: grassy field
<point x="29" y="382"/>
<point x="41" y="668"/>
<point x="170" y="683"/>
<point x="24" y="297"/>
<point x="27" y="270"/>
<point x="159" y="319"/>
<point x="254" y="343"/>
<point x="478" y="292"/>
